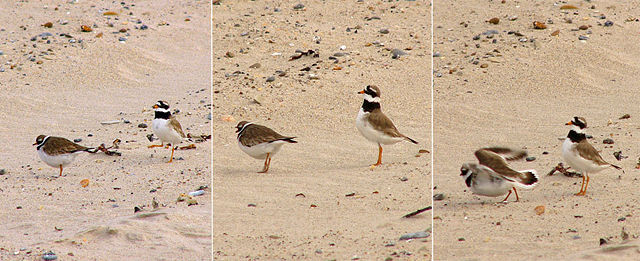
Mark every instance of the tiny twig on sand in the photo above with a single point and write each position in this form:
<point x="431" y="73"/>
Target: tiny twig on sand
<point x="416" y="212"/>
<point x="565" y="171"/>
<point x="107" y="151"/>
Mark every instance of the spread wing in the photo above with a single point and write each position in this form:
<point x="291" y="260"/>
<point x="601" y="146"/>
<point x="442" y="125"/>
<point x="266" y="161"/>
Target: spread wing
<point x="508" y="153"/>
<point x="497" y="163"/>
<point x="255" y="134"/>
<point x="176" y="126"/>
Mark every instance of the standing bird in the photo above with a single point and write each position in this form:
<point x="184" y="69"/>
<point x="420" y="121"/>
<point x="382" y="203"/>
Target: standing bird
<point x="493" y="177"/>
<point x="260" y="142"/>
<point x="58" y="152"/>
<point x="580" y="155"/>
<point x="374" y="125"/>
<point x="166" y="127"/>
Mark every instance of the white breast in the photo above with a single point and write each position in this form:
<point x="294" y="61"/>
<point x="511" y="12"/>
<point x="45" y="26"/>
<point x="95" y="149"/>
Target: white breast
<point x="572" y="157"/>
<point x="57" y="160"/>
<point x="486" y="185"/>
<point x="165" y="132"/>
<point x="260" y="151"/>
<point x="370" y="133"/>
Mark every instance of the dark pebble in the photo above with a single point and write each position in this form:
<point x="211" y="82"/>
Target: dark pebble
<point x="622" y="219"/>
<point x="608" y="23"/>
<point x="152" y="190"/>
<point x="77" y="140"/>
<point x="545" y="152"/>
<point x="142" y="125"/>
<point x="144" y="27"/>
<point x="122" y="39"/>
<point x="607" y="141"/>
<point x="603" y="241"/>
<point x="384" y="31"/>
<point x="396" y="53"/>
<point x="49" y="256"/>
<point x="436" y="54"/>
<point x="137" y="209"/>
<point x="438" y="197"/>
<point x="271" y="78"/>
<point x="90" y="135"/>
<point x="583" y="37"/>
<point x="298" y="7"/>
<point x="3" y="171"/>
<point x="404" y="179"/>
<point x="530" y="158"/>
<point x="477" y="37"/>
<point x="126" y="121"/>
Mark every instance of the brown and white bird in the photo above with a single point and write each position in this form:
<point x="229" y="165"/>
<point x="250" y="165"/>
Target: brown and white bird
<point x="58" y="152"/>
<point x="493" y="177"/>
<point x="260" y="142"/>
<point x="581" y="155"/>
<point x="166" y="127"/>
<point x="374" y="125"/>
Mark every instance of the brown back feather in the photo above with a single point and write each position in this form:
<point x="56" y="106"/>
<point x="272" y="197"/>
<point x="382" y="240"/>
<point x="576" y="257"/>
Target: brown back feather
<point x="255" y="134"/>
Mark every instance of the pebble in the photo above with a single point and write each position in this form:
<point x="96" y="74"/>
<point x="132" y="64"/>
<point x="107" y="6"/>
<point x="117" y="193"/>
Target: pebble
<point x="313" y="76"/>
<point x="126" y="121"/>
<point x="490" y="32"/>
<point x="3" y="171"/>
<point x="209" y="116"/>
<point x="77" y="140"/>
<point x="477" y="37"/>
<point x="298" y="7"/>
<point x="255" y="66"/>
<point x="419" y="234"/>
<point x="583" y="27"/>
<point x="122" y="39"/>
<point x="196" y="193"/>
<point x="396" y="53"/>
<point x="494" y="20"/>
<point x="539" y="25"/>
<point x="530" y="158"/>
<point x="49" y="256"/>
<point x="608" y="23"/>
<point x="583" y="37"/>
<point x="271" y="78"/>
<point x="339" y="54"/>
<point x="144" y="27"/>
<point x="438" y="197"/>
<point x="436" y="54"/>
<point x="404" y="179"/>
<point x="318" y="251"/>
<point x="142" y="125"/>
<point x="608" y="141"/>
<point x="384" y="31"/>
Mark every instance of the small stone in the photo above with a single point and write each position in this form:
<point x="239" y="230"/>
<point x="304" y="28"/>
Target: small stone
<point x="404" y="179"/>
<point x="555" y="33"/>
<point x="624" y="117"/>
<point x="477" y="37"/>
<point x="85" y="28"/>
<point x="229" y="55"/>
<point x="438" y="197"/>
<point x="583" y="37"/>
<point x="583" y="27"/>
<point x="49" y="256"/>
<point x="608" y="23"/>
<point x="298" y="7"/>
<point x="255" y="66"/>
<point x="565" y="7"/>
<point x="539" y="25"/>
<point x="622" y="219"/>
<point x="494" y="20"/>
<point x="48" y="24"/>
<point x="608" y="141"/>
<point x="539" y="210"/>
<point x="396" y="53"/>
<point x="419" y="234"/>
<point x="77" y="140"/>
<point x="530" y="158"/>
<point x="436" y="54"/>
<point x="142" y="125"/>
<point x="3" y="171"/>
<point x="603" y="241"/>
<point x="318" y="251"/>
<point x="144" y="27"/>
<point x="384" y="31"/>
<point x="209" y="116"/>
<point x="122" y="39"/>
<point x="484" y="65"/>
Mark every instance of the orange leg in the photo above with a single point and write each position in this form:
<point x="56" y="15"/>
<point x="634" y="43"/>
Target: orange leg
<point x="267" y="162"/>
<point x="154" y="146"/>
<point x="379" y="156"/>
<point x="517" y="198"/>
<point x="60" y="170"/>
<point x="583" y="188"/>
<point x="505" y="199"/>
<point x="172" y="149"/>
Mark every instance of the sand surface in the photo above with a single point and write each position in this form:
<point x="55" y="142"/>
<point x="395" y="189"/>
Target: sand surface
<point x="301" y="210"/>
<point x="72" y="85"/>
<point x="522" y="99"/>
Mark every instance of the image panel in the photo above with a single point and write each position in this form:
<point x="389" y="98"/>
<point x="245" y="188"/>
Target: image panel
<point x="535" y="125"/>
<point x="303" y="93"/>
<point x="86" y="88"/>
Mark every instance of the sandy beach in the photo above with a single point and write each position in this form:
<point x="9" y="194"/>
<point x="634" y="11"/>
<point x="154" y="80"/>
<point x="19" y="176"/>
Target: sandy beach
<point x="517" y="86"/>
<point x="320" y="199"/>
<point x="58" y="80"/>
